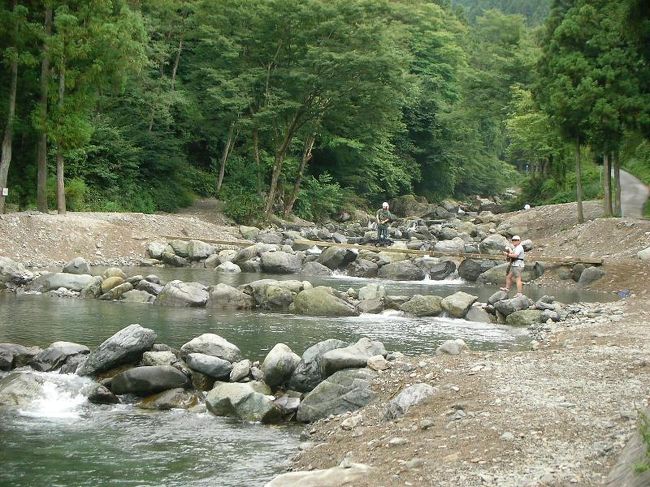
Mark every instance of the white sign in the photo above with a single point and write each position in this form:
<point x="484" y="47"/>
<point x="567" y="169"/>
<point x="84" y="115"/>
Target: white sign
<point x="5" y="191"/>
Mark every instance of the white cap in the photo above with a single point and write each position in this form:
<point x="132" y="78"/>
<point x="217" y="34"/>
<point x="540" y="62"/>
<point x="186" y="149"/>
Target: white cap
<point x="516" y="237"/>
<point x="384" y="204"/>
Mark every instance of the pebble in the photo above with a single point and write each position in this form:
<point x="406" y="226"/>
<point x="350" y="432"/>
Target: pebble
<point x="397" y="441"/>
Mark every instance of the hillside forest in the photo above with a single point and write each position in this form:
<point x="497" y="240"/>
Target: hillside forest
<point x="313" y="107"/>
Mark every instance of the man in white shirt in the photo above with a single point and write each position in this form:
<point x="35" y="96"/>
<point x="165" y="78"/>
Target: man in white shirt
<point x="516" y="266"/>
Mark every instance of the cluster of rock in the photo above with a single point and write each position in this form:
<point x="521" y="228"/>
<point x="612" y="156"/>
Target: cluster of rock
<point x="331" y="377"/>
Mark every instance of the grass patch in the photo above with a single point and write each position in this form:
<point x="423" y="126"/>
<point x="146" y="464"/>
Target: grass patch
<point x="644" y="428"/>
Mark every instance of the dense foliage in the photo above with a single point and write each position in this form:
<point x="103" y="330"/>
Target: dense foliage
<point x="309" y="107"/>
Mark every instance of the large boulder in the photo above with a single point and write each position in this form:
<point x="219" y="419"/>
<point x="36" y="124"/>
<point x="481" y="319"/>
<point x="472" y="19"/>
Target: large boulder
<point x="13" y="355"/>
<point x="170" y="258"/>
<point x="248" y="253"/>
<point x="372" y="291"/>
<point x="409" y="397"/>
<point x="211" y="344"/>
<point x="644" y="254"/>
<point x="56" y="355"/>
<point x="126" y="346"/>
<point x="179" y="247"/>
<point x="401" y="271"/>
<point x="458" y="304"/>
<point x="78" y="265"/>
<point x="183" y="294"/>
<point x="148" y="380"/>
<point x="442" y="270"/>
<point x="589" y="275"/>
<point x="281" y="262"/>
<point x="13" y="273"/>
<point x="346" y="390"/>
<point x="352" y="356"/>
<point x="362" y="268"/>
<point x="73" y="282"/>
<point x="494" y="244"/>
<point x="470" y="269"/>
<point x="509" y="306"/>
<point x="136" y="296"/>
<point x="315" y="269"/>
<point x="335" y="257"/>
<point x="149" y="287"/>
<point x="249" y="401"/>
<point x="228" y="268"/>
<point x="453" y="246"/>
<point x="178" y="398"/>
<point x="525" y="317"/>
<point x="197" y="250"/>
<point x="420" y="305"/>
<point x="209" y="365"/>
<point x="479" y="315"/>
<point x="321" y="301"/>
<point x="279" y="364"/>
<point x="223" y="296"/>
<point x="20" y="389"/>
<point x="307" y="373"/>
<point x="156" y="250"/>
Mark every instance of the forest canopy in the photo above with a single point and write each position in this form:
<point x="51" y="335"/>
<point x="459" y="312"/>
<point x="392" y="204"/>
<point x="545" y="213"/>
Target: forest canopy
<point x="309" y="107"/>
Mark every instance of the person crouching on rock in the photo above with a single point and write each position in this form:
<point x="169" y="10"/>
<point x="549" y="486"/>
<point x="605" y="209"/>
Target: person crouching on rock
<point x="516" y="265"/>
<point x="384" y="217"/>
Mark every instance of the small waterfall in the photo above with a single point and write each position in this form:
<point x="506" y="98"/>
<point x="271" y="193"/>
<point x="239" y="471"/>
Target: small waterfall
<point x="60" y="398"/>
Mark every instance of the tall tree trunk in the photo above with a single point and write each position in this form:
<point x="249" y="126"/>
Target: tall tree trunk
<point x="258" y="162"/>
<point x="41" y="187"/>
<point x="224" y="156"/>
<point x="177" y="61"/>
<point x="607" y="185"/>
<point x="279" y="161"/>
<point x="616" y="162"/>
<point x="60" y="184"/>
<point x="7" y="139"/>
<point x="581" y="216"/>
<point x="306" y="157"/>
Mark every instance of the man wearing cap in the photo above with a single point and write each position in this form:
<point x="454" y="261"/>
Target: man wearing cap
<point x="384" y="216"/>
<point x="516" y="266"/>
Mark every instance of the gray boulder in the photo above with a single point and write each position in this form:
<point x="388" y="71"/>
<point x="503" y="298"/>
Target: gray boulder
<point x="321" y="301"/>
<point x="253" y="265"/>
<point x="401" y="271"/>
<point x="409" y="397"/>
<point x="470" y="269"/>
<point x="497" y="296"/>
<point x="156" y="249"/>
<point x="211" y="344"/>
<point x="307" y="373"/>
<point x="177" y="398"/>
<point x="149" y="287"/>
<point x="352" y="356"/>
<point x="442" y="270"/>
<point x="13" y="273"/>
<point x="126" y="346"/>
<point x="93" y="289"/>
<point x="78" y="265"/>
<point x="56" y="355"/>
<point x="249" y="233"/>
<point x="20" y="389"/>
<point x="281" y="262"/>
<point x="346" y="390"/>
<point x="644" y="254"/>
<point x="209" y="365"/>
<point x="197" y="250"/>
<point x="509" y="306"/>
<point x="458" y="304"/>
<point x="136" y="296"/>
<point x="228" y="268"/>
<point x="315" y="269"/>
<point x="420" y="305"/>
<point x="372" y="291"/>
<point x="269" y="237"/>
<point x="252" y="251"/>
<point x="73" y="282"/>
<point x="223" y="296"/>
<point x="180" y="247"/>
<point x="589" y="275"/>
<point x="333" y="257"/>
<point x="148" y="380"/>
<point x="183" y="294"/>
<point x="100" y="394"/>
<point x="452" y="347"/>
<point x="524" y="317"/>
<point x="372" y="306"/>
<point x="277" y="296"/>
<point x="279" y="364"/>
<point x="453" y="246"/>
<point x="162" y="357"/>
<point x="362" y="268"/>
<point x="13" y="355"/>
<point x="479" y="315"/>
<point x="493" y="244"/>
<point x="170" y="258"/>
<point x="249" y="401"/>
<point x="240" y="370"/>
<point x="118" y="291"/>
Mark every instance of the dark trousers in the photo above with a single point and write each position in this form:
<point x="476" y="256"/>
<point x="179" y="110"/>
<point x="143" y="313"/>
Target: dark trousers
<point x="382" y="232"/>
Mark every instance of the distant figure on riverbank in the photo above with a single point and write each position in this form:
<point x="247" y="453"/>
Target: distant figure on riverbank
<point x="515" y="265"/>
<point x="383" y="217"/>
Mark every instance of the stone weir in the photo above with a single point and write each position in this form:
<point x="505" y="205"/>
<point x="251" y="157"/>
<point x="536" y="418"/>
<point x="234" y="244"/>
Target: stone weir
<point x="294" y="296"/>
<point x="331" y="377"/>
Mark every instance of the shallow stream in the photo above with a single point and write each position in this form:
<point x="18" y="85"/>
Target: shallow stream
<point x="62" y="440"/>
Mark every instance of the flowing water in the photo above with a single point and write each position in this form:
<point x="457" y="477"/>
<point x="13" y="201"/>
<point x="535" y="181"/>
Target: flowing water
<point x="62" y="440"/>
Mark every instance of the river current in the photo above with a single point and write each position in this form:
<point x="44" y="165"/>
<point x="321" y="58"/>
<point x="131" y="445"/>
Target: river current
<point x="62" y="440"/>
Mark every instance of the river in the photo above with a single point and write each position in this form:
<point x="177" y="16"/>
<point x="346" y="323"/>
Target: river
<point x="62" y="440"/>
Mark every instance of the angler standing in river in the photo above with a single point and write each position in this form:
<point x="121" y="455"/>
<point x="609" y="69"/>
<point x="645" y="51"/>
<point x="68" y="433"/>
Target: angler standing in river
<point x="515" y="266"/>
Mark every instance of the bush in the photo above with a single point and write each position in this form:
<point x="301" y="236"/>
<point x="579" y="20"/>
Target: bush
<point x="319" y="198"/>
<point x="242" y="205"/>
<point x="75" y="194"/>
